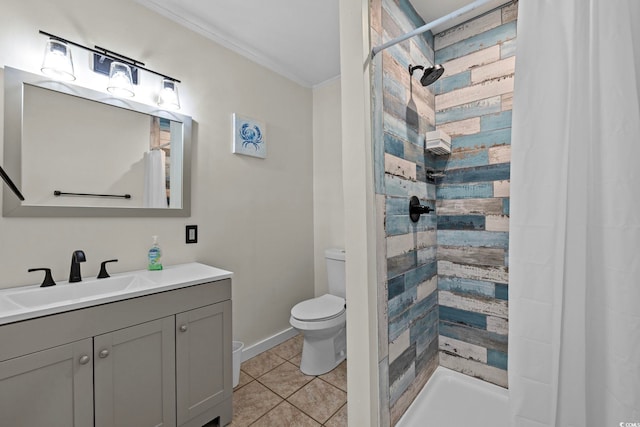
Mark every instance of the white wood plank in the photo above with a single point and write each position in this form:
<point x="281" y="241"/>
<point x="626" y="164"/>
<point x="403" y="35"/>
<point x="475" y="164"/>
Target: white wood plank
<point x="474" y="369"/>
<point x="399" y="167"/>
<point x="461" y="127"/>
<point x="403" y="243"/>
<point x="501" y="188"/>
<point x="468" y="29"/>
<point x="494" y="70"/>
<point x="399" y="345"/>
<point x="427" y="288"/>
<point x="475" y="59"/>
<point x="462" y="349"/>
<point x="500" y="154"/>
<point x="476" y="92"/>
<point x="497" y="223"/>
<point x="510" y="12"/>
<point x="507" y="101"/>
<point x="497" y="325"/>
<point x="469" y="206"/>
<point x="489" y="273"/>
<point x="498" y="308"/>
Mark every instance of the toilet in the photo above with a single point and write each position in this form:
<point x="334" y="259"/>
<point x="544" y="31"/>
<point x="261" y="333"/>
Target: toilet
<point x="323" y="321"/>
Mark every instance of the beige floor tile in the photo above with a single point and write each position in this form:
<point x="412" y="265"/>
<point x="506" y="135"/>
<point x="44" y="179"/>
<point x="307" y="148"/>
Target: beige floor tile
<point x="319" y="399"/>
<point x="290" y="348"/>
<point x="251" y="402"/>
<point x="339" y="419"/>
<point x="244" y="379"/>
<point x="296" y="360"/>
<point x="262" y="363"/>
<point x="286" y="415"/>
<point x="285" y="380"/>
<point x="338" y="376"/>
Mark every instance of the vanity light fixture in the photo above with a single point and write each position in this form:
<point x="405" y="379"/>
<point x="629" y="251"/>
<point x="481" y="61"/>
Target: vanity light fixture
<point x="120" y="81"/>
<point x="122" y="71"/>
<point x="168" y="97"/>
<point x="57" y="60"/>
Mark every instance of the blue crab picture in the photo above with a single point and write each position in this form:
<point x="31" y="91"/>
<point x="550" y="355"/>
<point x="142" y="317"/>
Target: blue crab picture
<point x="249" y="137"/>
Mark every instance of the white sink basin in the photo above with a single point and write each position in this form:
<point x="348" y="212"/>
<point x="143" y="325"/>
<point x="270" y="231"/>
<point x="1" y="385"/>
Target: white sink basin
<point x="72" y="292"/>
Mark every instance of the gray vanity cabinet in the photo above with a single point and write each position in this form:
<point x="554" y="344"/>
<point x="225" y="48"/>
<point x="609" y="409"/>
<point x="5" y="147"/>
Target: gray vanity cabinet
<point x="203" y="362"/>
<point x="51" y="387"/>
<point x="157" y="360"/>
<point x="134" y="374"/>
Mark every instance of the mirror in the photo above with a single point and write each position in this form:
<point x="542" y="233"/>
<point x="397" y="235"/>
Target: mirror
<point x="73" y="151"/>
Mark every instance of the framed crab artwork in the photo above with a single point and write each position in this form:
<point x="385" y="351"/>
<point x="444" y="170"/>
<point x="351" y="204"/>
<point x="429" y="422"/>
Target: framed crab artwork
<point x="249" y="136"/>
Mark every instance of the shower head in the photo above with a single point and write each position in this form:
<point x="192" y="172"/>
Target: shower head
<point x="431" y="74"/>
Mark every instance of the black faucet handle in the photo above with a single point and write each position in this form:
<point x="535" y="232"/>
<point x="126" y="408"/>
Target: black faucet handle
<point x="48" y="280"/>
<point x="103" y="269"/>
<point x="79" y="256"/>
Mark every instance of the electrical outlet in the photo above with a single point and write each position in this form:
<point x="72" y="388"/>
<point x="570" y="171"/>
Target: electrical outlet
<point x="191" y="233"/>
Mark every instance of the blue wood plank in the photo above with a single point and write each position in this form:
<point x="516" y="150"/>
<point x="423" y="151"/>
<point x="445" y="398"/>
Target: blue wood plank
<point x="465" y="159"/>
<point x="398" y="325"/>
<point x="500" y="120"/>
<point x="505" y="206"/>
<point x="393" y="145"/>
<point x="508" y="49"/>
<point x="474" y="190"/>
<point x="424" y="328"/>
<point x="467" y="286"/>
<point x="397" y="205"/>
<point x="481" y="41"/>
<point x="401" y="303"/>
<point x="456" y="81"/>
<point x="482" y="338"/>
<point x="497" y="172"/>
<point x="419" y="309"/>
<point x="502" y="291"/>
<point x="462" y="317"/>
<point x="400" y="264"/>
<point x="483" y="139"/>
<point x="395" y="287"/>
<point x="497" y="358"/>
<point x="472" y="109"/>
<point x="484" y="239"/>
<point x="461" y="222"/>
<point x="399" y="128"/>
<point x="420" y="274"/>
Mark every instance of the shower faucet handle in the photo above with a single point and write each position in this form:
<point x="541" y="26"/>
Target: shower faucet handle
<point x="416" y="209"/>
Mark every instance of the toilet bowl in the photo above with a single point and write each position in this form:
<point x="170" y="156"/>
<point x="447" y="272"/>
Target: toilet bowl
<point x="323" y="321"/>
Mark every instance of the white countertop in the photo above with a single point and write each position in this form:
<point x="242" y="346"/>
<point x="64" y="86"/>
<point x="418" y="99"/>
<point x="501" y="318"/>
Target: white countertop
<point x="142" y="282"/>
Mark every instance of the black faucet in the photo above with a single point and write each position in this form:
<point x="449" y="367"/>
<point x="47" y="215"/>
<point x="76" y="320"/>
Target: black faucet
<point x="76" y="259"/>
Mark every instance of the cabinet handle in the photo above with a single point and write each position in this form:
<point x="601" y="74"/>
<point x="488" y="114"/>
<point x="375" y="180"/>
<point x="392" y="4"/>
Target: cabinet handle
<point x="84" y="359"/>
<point x="183" y="328"/>
<point x="103" y="353"/>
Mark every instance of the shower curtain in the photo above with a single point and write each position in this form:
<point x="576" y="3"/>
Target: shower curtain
<point x="574" y="296"/>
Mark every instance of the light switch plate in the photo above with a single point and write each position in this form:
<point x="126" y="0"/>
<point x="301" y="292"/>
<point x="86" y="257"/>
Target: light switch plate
<point x="191" y="234"/>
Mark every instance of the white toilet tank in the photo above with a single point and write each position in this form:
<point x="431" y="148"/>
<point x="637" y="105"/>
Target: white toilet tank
<point x="335" y="271"/>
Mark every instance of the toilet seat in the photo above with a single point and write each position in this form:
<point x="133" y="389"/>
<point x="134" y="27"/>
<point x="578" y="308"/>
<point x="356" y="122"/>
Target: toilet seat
<point x="325" y="307"/>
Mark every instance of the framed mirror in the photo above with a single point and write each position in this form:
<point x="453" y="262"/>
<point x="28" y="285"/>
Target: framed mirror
<point x="76" y="152"/>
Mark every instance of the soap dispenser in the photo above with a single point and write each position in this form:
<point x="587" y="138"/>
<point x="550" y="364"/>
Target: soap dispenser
<point x="154" y="255"/>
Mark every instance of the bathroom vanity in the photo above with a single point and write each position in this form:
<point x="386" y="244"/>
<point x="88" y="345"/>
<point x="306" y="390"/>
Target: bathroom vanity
<point x="144" y="349"/>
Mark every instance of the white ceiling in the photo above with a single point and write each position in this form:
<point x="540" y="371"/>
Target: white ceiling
<point x="298" y="39"/>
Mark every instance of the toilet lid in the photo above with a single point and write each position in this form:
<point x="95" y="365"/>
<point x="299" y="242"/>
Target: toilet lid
<point x="324" y="307"/>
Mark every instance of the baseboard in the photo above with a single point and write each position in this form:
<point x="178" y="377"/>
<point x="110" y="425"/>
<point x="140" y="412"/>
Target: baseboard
<point x="268" y="343"/>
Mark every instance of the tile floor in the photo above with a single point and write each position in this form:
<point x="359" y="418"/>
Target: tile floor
<point x="273" y="392"/>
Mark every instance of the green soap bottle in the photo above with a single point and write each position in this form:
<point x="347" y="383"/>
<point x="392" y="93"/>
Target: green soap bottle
<point x="155" y="253"/>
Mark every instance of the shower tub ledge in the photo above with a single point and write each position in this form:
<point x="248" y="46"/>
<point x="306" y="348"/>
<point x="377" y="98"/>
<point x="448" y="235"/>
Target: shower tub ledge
<point x="453" y="399"/>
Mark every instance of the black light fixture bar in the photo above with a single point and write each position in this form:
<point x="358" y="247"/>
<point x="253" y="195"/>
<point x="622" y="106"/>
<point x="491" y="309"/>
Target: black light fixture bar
<point x="111" y="55"/>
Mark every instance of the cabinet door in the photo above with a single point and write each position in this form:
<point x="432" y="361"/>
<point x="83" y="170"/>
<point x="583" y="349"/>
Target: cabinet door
<point x="52" y="387"/>
<point x="203" y="359"/>
<point x="135" y="376"/>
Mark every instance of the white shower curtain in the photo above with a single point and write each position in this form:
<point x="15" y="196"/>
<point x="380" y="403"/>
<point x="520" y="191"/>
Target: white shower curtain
<point x="574" y="296"/>
<point x="155" y="186"/>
